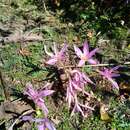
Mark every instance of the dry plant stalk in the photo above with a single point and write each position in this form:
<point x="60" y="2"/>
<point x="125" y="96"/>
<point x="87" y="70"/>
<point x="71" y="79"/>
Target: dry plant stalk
<point x="23" y="37"/>
<point x="4" y="87"/>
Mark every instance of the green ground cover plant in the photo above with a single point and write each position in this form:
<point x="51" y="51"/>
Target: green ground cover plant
<point x="64" y="65"/>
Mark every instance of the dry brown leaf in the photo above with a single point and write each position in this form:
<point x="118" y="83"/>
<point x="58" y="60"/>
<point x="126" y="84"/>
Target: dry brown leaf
<point x="24" y="52"/>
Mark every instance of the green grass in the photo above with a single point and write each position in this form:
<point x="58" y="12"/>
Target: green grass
<point x="23" y="69"/>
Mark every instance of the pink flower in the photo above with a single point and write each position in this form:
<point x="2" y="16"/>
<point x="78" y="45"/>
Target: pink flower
<point x="57" y="55"/>
<point x="78" y="107"/>
<point x="77" y="82"/>
<point x="109" y="74"/>
<point x="70" y="94"/>
<point x="80" y="78"/>
<point x="85" y="55"/>
<point x="42" y="123"/>
<point x="36" y="96"/>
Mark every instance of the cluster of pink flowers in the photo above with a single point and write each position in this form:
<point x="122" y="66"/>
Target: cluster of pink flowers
<point x="77" y="81"/>
<point x="37" y="96"/>
<point x="57" y="55"/>
<point x="42" y="123"/>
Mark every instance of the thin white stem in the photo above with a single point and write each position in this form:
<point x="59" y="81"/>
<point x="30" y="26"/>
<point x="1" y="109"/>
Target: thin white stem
<point x="26" y="112"/>
<point x="100" y="65"/>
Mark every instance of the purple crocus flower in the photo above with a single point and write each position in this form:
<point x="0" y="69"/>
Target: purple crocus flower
<point x="79" y="80"/>
<point x="77" y="83"/>
<point x="70" y="94"/>
<point x="85" y="55"/>
<point x="37" y="95"/>
<point x="57" y="55"/>
<point x="42" y="123"/>
<point x="80" y="77"/>
<point x="78" y="107"/>
<point x="109" y="74"/>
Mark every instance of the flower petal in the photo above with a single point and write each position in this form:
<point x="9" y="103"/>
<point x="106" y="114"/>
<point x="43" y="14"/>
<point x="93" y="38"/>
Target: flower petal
<point x="76" y="87"/>
<point x="93" y="62"/>
<point x="81" y="63"/>
<point x="77" y="74"/>
<point x="114" y="83"/>
<point x="88" y="94"/>
<point x="69" y="97"/>
<point x="30" y="91"/>
<point x="41" y="127"/>
<point x="87" y="107"/>
<point x="27" y="118"/>
<point x="44" y="93"/>
<point x="114" y="68"/>
<point x="86" y="78"/>
<point x="39" y="120"/>
<point x="78" y="51"/>
<point x="85" y="48"/>
<point x="101" y="72"/>
<point x="93" y="52"/>
<point x="115" y="75"/>
<point x="52" y="61"/>
<point x="78" y="108"/>
<point x="62" y="51"/>
<point x="42" y="105"/>
<point x="47" y="85"/>
<point x="50" y="125"/>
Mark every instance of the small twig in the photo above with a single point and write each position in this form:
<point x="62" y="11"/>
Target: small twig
<point x="99" y="65"/>
<point x="25" y="113"/>
<point x="44" y="5"/>
<point x="4" y="87"/>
